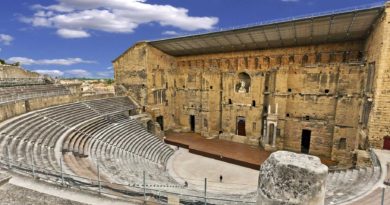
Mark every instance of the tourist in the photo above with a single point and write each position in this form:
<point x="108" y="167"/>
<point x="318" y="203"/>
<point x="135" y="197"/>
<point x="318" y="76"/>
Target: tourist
<point x="220" y="178"/>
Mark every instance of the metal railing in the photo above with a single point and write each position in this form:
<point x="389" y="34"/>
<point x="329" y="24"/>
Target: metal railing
<point x="142" y="192"/>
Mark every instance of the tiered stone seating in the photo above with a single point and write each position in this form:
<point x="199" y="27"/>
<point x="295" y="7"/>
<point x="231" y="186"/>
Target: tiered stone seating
<point x="32" y="91"/>
<point x="123" y="148"/>
<point x="343" y="185"/>
<point x="33" y="136"/>
<point x="98" y="132"/>
<point x="109" y="105"/>
<point x="93" y="128"/>
<point x="77" y="140"/>
<point x="7" y="82"/>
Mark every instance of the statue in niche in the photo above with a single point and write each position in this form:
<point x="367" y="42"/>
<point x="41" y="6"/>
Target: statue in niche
<point x="242" y="89"/>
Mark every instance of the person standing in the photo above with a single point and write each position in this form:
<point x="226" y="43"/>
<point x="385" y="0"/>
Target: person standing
<point x="220" y="178"/>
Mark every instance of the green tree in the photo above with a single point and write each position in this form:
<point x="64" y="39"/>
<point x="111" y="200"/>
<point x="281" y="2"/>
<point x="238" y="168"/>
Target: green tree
<point x="110" y="81"/>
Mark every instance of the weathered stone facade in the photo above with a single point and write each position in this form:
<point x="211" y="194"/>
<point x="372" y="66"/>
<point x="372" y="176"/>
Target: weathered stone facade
<point x="10" y="71"/>
<point x="312" y="98"/>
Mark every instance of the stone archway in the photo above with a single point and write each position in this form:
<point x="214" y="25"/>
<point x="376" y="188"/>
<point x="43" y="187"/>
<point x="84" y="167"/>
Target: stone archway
<point x="243" y="83"/>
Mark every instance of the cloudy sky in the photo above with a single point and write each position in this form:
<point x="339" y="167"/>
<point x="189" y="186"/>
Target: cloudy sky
<point x="80" y="38"/>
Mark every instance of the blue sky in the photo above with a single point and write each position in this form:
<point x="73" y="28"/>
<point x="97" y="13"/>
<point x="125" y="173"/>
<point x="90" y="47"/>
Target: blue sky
<point x="80" y="38"/>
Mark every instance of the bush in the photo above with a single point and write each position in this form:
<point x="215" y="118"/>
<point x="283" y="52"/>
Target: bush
<point x="110" y="81"/>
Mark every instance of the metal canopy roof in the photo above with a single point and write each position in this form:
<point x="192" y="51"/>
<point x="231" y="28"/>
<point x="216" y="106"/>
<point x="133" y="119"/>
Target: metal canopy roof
<point x="326" y="28"/>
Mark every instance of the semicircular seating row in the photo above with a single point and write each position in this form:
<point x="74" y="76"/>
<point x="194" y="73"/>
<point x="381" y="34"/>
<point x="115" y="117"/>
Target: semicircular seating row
<point x="33" y="136"/>
<point x="25" y="92"/>
<point x="123" y="148"/>
<point x="98" y="130"/>
<point x="345" y="185"/>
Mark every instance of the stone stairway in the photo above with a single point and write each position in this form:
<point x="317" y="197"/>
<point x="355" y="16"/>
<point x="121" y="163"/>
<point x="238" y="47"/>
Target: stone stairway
<point x="344" y="185"/>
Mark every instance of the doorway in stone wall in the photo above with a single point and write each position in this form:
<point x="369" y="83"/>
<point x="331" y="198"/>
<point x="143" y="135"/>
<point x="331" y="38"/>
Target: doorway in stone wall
<point x="271" y="134"/>
<point x="160" y="121"/>
<point x="241" y="126"/>
<point x="305" y="141"/>
<point x="386" y="142"/>
<point x="150" y="126"/>
<point x="192" y="123"/>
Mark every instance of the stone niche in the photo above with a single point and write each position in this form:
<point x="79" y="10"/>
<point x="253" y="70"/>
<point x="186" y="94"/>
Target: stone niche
<point x="292" y="179"/>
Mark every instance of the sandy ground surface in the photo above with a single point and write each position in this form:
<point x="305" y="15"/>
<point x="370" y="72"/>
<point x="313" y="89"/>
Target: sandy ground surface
<point x="184" y="166"/>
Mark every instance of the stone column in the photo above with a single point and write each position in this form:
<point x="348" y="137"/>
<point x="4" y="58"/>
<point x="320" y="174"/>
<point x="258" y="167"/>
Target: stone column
<point x="267" y="134"/>
<point x="265" y="128"/>
<point x="292" y="179"/>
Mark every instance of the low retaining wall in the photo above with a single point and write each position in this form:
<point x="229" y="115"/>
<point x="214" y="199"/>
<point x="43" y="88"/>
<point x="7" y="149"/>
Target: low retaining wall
<point x="15" y="108"/>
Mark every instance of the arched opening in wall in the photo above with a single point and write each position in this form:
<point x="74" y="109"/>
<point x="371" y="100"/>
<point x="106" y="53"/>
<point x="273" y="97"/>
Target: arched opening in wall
<point x="318" y="57"/>
<point x="345" y="57"/>
<point x="291" y="59"/>
<point x="305" y="60"/>
<point x="266" y="61"/>
<point x="342" y="143"/>
<point x="279" y="60"/>
<point x="244" y="83"/>
<point x="241" y="126"/>
<point x="332" y="57"/>
<point x="132" y="112"/>
<point x="246" y="62"/>
<point x="271" y="134"/>
<point x="160" y="121"/>
<point x="360" y="56"/>
<point x="205" y="123"/>
<point x="150" y="126"/>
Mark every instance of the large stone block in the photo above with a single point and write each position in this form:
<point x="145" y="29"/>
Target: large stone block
<point x="292" y="179"/>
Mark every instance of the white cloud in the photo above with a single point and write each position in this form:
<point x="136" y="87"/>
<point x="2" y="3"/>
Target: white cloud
<point x="6" y="39"/>
<point x="105" y="74"/>
<point x="68" y="33"/>
<point x="54" y="73"/>
<point x="75" y="18"/>
<point x="170" y="33"/>
<point x="290" y="0"/>
<point x="80" y="73"/>
<point x="109" y="68"/>
<point x="63" y="62"/>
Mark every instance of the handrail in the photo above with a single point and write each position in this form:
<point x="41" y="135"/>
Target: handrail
<point x="135" y="191"/>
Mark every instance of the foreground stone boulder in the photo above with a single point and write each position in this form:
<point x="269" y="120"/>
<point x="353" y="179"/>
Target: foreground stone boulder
<point x="292" y="179"/>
